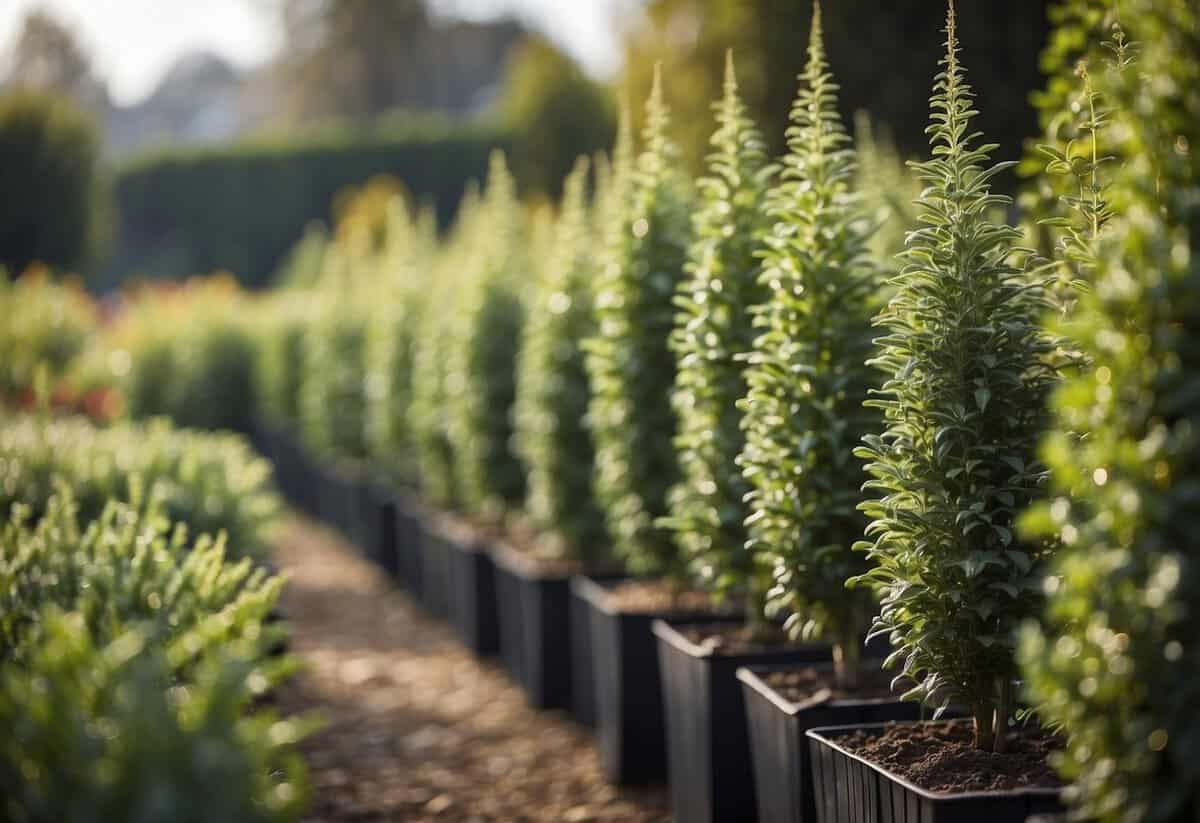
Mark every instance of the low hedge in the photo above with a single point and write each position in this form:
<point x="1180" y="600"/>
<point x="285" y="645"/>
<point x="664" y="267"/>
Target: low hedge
<point x="210" y="483"/>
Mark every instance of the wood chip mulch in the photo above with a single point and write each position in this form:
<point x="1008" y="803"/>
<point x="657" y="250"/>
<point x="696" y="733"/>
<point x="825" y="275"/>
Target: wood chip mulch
<point x="415" y="728"/>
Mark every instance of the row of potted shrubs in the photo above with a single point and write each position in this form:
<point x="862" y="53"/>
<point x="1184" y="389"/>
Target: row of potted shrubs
<point x="622" y="445"/>
<point x="636" y="431"/>
<point x="139" y="641"/>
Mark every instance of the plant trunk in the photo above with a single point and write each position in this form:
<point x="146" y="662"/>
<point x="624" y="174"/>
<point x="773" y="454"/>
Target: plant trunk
<point x="847" y="659"/>
<point x="1003" y="710"/>
<point x="985" y="726"/>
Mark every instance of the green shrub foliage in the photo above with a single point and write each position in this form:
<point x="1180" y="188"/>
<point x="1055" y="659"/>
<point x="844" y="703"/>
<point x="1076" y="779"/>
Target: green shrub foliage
<point x="49" y="161"/>
<point x="888" y="187"/>
<point x="211" y="483"/>
<point x="127" y="568"/>
<point x="485" y="340"/>
<point x="553" y="391"/>
<point x="1115" y="660"/>
<point x="808" y="376"/>
<point x="188" y="354"/>
<point x="281" y="330"/>
<point x="964" y="401"/>
<point x="629" y="360"/>
<point x="391" y="343"/>
<point x="713" y="329"/>
<point x="103" y="731"/>
<point x="333" y="395"/>
<point x="47" y="324"/>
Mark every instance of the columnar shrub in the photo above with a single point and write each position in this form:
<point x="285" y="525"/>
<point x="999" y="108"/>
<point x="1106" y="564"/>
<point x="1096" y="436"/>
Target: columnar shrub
<point x="282" y="327"/>
<point x="964" y="403"/>
<point x="629" y="360"/>
<point x="888" y="187"/>
<point x="1115" y="662"/>
<point x="104" y="731"/>
<point x="482" y="360"/>
<point x="126" y="568"/>
<point x="333" y="389"/>
<point x="713" y="329"/>
<point x="435" y="452"/>
<point x="211" y="483"/>
<point x="808" y="377"/>
<point x="391" y="342"/>
<point x="553" y="392"/>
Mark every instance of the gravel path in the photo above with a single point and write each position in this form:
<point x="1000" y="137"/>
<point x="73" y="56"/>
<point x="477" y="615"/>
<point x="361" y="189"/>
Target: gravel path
<point x="416" y="729"/>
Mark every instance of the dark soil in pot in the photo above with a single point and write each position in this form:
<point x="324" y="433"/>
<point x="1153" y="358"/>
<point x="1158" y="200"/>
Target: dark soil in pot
<point x="784" y="702"/>
<point x="708" y="746"/>
<point x="625" y="670"/>
<point x="930" y="773"/>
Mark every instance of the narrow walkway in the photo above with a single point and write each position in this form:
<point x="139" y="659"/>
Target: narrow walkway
<point x="416" y="728"/>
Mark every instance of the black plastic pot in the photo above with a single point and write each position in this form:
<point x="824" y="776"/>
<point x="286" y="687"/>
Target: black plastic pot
<point x="850" y="789"/>
<point x="381" y="519"/>
<point x="583" y="686"/>
<point x="434" y="564"/>
<point x="708" y="747"/>
<point x="409" y="535"/>
<point x="537" y="631"/>
<point x="779" y="751"/>
<point x="471" y="586"/>
<point x="628" y="693"/>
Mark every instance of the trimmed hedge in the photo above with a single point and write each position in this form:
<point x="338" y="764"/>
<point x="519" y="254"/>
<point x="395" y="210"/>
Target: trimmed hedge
<point x="243" y="208"/>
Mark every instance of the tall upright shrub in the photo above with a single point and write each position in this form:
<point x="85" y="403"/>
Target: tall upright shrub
<point x="281" y="329"/>
<point x="553" y="392"/>
<point x="808" y="376"/>
<point x="713" y="329"/>
<point x="963" y="401"/>
<point x="1115" y="661"/>
<point x="481" y="376"/>
<point x="391" y="342"/>
<point x="629" y="360"/>
<point x="435" y="452"/>
<point x="333" y="390"/>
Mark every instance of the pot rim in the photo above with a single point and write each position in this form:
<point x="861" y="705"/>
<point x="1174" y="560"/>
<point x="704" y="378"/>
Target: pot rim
<point x="668" y="634"/>
<point x="825" y="735"/>
<point x="752" y="676"/>
<point x="594" y="590"/>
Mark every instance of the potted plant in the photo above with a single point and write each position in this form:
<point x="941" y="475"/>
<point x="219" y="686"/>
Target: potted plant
<point x="708" y="752"/>
<point x="563" y="532"/>
<point x="480" y="385"/>
<point x="807" y="381"/>
<point x="1111" y="660"/>
<point x="630" y="365"/>
<point x="968" y="372"/>
<point x="427" y="566"/>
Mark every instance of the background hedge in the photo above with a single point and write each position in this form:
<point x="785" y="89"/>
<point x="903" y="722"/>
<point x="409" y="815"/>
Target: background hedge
<point x="242" y="208"/>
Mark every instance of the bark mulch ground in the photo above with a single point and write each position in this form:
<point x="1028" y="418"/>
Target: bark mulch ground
<point x="415" y="728"/>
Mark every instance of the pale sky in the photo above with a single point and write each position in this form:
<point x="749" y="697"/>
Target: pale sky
<point x="133" y="42"/>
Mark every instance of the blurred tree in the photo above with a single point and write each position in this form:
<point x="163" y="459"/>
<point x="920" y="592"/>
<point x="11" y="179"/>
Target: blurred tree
<point x="555" y="112"/>
<point x="347" y="57"/>
<point x="883" y="54"/>
<point x="46" y="55"/>
<point x="48" y="161"/>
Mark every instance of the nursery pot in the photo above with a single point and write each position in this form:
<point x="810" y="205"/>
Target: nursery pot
<point x="779" y="751"/>
<point x="626" y="683"/>
<point x="708" y="748"/>
<point x="381" y="515"/>
<point x="470" y="585"/>
<point x="542" y="632"/>
<point x="583" y="686"/>
<point x="434" y="564"/>
<point x="409" y="535"/>
<point x="850" y="789"/>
